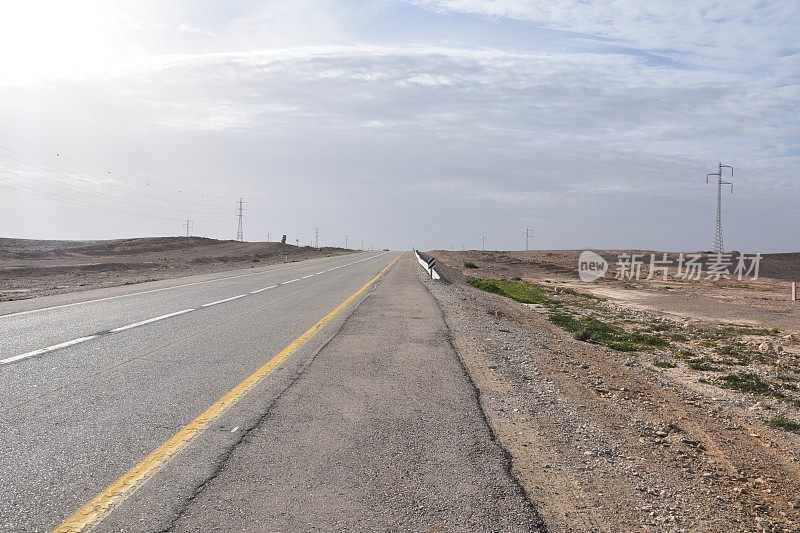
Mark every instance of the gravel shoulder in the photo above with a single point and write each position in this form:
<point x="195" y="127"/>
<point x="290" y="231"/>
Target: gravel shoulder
<point x="603" y="441"/>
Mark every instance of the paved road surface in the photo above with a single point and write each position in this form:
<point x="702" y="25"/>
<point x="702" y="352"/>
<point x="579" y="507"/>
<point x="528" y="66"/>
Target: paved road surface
<point x="379" y="429"/>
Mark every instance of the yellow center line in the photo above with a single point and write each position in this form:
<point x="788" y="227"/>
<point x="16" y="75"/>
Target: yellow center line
<point x="101" y="505"/>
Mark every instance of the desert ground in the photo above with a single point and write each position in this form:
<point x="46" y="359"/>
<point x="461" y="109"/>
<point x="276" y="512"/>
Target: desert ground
<point x="31" y="268"/>
<point x="625" y="405"/>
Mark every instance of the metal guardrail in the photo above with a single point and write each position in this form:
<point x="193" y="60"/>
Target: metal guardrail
<point x="428" y="263"/>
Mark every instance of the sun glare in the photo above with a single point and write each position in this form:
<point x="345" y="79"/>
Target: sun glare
<point x="53" y="39"/>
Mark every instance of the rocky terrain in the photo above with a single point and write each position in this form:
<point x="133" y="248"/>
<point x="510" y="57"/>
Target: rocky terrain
<point x="621" y="415"/>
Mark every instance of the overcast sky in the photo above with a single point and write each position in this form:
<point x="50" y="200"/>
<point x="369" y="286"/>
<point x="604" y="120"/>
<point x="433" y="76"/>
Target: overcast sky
<point x="399" y="123"/>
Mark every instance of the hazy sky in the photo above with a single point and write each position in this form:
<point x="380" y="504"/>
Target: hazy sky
<point x="399" y="123"/>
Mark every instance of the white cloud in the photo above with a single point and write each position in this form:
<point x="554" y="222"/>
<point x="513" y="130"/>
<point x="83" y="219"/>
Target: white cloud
<point x="188" y="28"/>
<point x="709" y="31"/>
<point x="367" y="132"/>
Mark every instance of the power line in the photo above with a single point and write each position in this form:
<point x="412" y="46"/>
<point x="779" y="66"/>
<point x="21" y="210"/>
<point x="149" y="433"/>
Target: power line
<point x="719" y="246"/>
<point x="240" y="231"/>
<point x="64" y="223"/>
<point x="79" y="203"/>
<point x="75" y="189"/>
<point x="528" y="234"/>
<point x="73" y="173"/>
<point x="269" y="221"/>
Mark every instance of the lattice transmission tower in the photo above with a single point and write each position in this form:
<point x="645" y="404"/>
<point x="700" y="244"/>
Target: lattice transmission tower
<point x="719" y="246"/>
<point x="240" y="215"/>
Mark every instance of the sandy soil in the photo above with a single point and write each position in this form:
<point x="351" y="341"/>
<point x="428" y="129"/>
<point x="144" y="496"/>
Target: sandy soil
<point x="604" y="440"/>
<point x="763" y="302"/>
<point x="30" y="268"/>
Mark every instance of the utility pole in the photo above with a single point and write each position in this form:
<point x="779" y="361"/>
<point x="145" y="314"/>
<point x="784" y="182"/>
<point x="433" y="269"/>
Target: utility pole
<point x="528" y="234"/>
<point x="483" y="243"/>
<point x="297" y="242"/>
<point x="268" y="234"/>
<point x="240" y="231"/>
<point x="316" y="237"/>
<point x="719" y="246"/>
<point x="345" y="242"/>
<point x="362" y="246"/>
<point x="188" y="226"/>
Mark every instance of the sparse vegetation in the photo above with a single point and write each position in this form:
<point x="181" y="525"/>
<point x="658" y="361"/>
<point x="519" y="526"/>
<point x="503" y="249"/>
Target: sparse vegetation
<point x="747" y="382"/>
<point x="704" y="347"/>
<point x="709" y="356"/>
<point x="701" y="363"/>
<point x="470" y="264"/>
<point x="584" y="328"/>
<point x="781" y="421"/>
<point x="520" y="291"/>
<point x="593" y="330"/>
<point x="573" y="292"/>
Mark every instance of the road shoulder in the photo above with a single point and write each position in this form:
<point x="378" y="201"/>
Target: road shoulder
<point x="601" y="442"/>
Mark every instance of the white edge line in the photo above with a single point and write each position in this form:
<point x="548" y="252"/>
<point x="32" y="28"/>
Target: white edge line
<point x="290" y="281"/>
<point x="309" y="276"/>
<point x="264" y="289"/>
<point x="45" y="350"/>
<point x="148" y="321"/>
<point x="223" y="301"/>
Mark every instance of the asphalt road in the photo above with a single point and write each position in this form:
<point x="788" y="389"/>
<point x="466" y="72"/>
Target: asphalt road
<point x="78" y="417"/>
<point x="94" y="385"/>
<point x="381" y="433"/>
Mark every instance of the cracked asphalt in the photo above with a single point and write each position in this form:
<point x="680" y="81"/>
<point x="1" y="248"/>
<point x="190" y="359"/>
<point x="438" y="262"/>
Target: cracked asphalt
<point x="382" y="432"/>
<point x="372" y="424"/>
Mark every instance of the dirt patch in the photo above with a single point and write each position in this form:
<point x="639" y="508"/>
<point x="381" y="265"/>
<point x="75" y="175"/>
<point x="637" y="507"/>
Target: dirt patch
<point x="763" y="302"/>
<point x="30" y="268"/>
<point x="647" y="439"/>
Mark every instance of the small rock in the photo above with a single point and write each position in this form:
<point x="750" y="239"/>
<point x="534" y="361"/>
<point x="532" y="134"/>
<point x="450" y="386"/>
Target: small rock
<point x="765" y="347"/>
